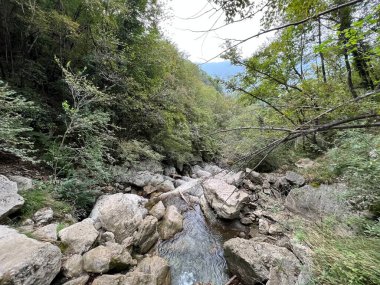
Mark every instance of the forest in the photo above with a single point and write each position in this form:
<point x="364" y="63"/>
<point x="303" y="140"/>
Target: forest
<point x="89" y="87"/>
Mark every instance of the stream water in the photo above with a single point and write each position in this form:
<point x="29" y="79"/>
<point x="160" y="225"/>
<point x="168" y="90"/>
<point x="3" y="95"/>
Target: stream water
<point x="196" y="254"/>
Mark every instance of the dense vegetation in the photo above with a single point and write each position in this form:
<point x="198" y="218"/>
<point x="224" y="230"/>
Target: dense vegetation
<point x="90" y="84"/>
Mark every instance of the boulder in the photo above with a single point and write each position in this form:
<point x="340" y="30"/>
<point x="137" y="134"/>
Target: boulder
<point x="78" y="281"/>
<point x="103" y="258"/>
<point x="43" y="216"/>
<point x="295" y="178"/>
<point x="46" y="233"/>
<point x="172" y="223"/>
<point x="146" y="235"/>
<point x="230" y="177"/>
<point x="313" y="202"/>
<point x="213" y="169"/>
<point x="259" y="262"/>
<point x="79" y="237"/>
<point x="23" y="183"/>
<point x="27" y="261"/>
<point x="73" y="266"/>
<point x="263" y="226"/>
<point x="202" y="173"/>
<point x="120" y="214"/>
<point x="158" y="210"/>
<point x="10" y="201"/>
<point x="150" y="271"/>
<point x="225" y="199"/>
<point x="140" y="178"/>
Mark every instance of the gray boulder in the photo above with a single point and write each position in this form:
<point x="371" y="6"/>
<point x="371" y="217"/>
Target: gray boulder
<point x="313" y="202"/>
<point x="25" y="261"/>
<point x="43" y="216"/>
<point x="23" y="183"/>
<point x="73" y="266"/>
<point x="225" y="199"/>
<point x="295" y="178"/>
<point x="116" y="279"/>
<point x="10" y="201"/>
<point x="259" y="262"/>
<point x="79" y="237"/>
<point x="120" y="214"/>
<point x="78" y="281"/>
<point x="172" y="223"/>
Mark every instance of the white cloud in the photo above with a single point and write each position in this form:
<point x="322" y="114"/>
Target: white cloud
<point x="204" y="46"/>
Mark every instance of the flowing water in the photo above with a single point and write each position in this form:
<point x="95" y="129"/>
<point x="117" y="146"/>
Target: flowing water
<point x="196" y="254"/>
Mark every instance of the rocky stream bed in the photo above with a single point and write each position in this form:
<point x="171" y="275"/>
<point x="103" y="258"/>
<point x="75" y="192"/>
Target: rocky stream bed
<point x="156" y="227"/>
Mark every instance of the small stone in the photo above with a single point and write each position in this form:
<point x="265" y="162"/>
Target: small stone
<point x="78" y="281"/>
<point x="158" y="210"/>
<point x="43" y="216"/>
<point x="263" y="226"/>
<point x="46" y="233"/>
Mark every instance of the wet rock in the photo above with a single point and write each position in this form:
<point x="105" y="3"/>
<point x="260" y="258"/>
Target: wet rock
<point x="172" y="223"/>
<point x="146" y="235"/>
<point x="225" y="199"/>
<point x="23" y="183"/>
<point x="46" y="233"/>
<point x="43" y="216"/>
<point x="10" y="201"/>
<point x="313" y="202"/>
<point x="259" y="262"/>
<point x="78" y="281"/>
<point x="151" y="270"/>
<point x="103" y="258"/>
<point x="79" y="237"/>
<point x="73" y="266"/>
<point x="19" y="254"/>
<point x="120" y="214"/>
<point x="158" y="210"/>
<point x="295" y="178"/>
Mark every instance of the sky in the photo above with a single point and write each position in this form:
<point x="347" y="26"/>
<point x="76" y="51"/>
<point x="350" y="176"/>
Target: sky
<point x="192" y="15"/>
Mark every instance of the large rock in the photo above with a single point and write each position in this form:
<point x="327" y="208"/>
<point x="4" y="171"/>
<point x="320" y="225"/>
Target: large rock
<point x="23" y="183"/>
<point x="10" y="201"/>
<point x="150" y="271"/>
<point x="79" y="237"/>
<point x="259" y="262"/>
<point x="73" y="266"/>
<point x="225" y="199"/>
<point x="103" y="258"/>
<point x="313" y="202"/>
<point x="25" y="261"/>
<point x="171" y="224"/>
<point x="116" y="279"/>
<point x="146" y="235"/>
<point x="230" y="177"/>
<point x="120" y="214"/>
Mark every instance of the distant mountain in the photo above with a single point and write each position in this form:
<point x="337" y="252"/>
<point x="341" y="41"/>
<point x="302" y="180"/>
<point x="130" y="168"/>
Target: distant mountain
<point x="222" y="69"/>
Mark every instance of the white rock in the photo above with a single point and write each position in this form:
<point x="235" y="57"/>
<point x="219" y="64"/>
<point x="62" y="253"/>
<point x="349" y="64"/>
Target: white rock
<point x="120" y="214"/>
<point x="73" y="266"/>
<point x="46" y="233"/>
<point x="25" y="261"/>
<point x="10" y="201"/>
<point x="23" y="183"/>
<point x="225" y="199"/>
<point x="43" y="216"/>
<point x="79" y="237"/>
